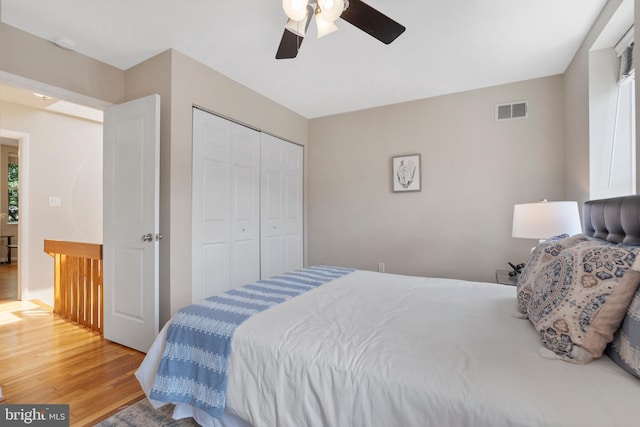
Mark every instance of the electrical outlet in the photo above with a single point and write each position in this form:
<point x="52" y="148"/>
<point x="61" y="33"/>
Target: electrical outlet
<point x="381" y="267"/>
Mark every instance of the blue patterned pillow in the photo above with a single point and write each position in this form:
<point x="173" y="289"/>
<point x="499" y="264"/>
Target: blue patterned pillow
<point x="540" y="255"/>
<point x="625" y="348"/>
<point x="581" y="296"/>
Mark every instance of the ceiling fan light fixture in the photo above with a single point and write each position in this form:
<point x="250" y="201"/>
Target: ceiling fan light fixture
<point x="300" y="28"/>
<point x="297" y="27"/>
<point x="324" y="27"/>
<point x="41" y="96"/>
<point x="331" y="9"/>
<point x="355" y="12"/>
<point x="296" y="10"/>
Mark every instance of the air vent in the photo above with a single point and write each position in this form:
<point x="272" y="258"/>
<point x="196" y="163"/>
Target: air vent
<point x="515" y="110"/>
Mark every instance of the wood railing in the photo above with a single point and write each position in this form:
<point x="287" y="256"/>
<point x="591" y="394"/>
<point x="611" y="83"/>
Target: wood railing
<point x="77" y="286"/>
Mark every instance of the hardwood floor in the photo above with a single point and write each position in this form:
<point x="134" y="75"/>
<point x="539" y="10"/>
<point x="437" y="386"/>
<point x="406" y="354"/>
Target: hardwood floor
<point x="47" y="360"/>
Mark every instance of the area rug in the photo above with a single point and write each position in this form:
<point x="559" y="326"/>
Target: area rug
<point x="142" y="414"/>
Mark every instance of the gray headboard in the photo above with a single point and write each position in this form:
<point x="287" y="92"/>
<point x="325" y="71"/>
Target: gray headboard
<point x="616" y="220"/>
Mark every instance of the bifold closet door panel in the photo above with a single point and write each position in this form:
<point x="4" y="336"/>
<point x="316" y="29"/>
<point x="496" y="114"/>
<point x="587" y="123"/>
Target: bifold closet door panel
<point x="225" y="205"/>
<point x="245" y="206"/>
<point x="281" y="236"/>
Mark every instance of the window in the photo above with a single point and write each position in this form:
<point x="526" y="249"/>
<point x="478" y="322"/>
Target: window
<point x="12" y="210"/>
<point x="612" y="146"/>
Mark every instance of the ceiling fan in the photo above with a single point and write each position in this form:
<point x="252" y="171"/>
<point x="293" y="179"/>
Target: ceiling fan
<point x="355" y="12"/>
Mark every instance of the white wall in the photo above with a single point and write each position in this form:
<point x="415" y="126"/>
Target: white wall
<point x="474" y="170"/>
<point x="64" y="159"/>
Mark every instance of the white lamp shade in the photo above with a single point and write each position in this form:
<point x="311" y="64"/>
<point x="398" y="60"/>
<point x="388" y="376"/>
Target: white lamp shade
<point x="545" y="219"/>
<point x="324" y="27"/>
<point x="296" y="10"/>
<point x="331" y="9"/>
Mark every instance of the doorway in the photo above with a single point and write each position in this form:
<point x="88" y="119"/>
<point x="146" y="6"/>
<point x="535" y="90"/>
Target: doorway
<point x="9" y="217"/>
<point x="60" y="182"/>
<point x="9" y="282"/>
<point x="12" y="143"/>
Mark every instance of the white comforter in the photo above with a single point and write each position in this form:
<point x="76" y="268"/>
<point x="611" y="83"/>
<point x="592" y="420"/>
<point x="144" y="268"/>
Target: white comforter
<point x="373" y="349"/>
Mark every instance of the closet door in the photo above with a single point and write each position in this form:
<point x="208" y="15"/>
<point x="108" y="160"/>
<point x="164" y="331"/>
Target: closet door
<point x="281" y="181"/>
<point x="245" y="206"/>
<point x="225" y="205"/>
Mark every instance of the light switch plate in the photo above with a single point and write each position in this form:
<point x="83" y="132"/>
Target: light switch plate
<point x="55" y="201"/>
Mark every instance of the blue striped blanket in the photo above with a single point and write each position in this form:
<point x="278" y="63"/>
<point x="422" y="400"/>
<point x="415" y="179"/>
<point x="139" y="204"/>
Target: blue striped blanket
<point x="194" y="365"/>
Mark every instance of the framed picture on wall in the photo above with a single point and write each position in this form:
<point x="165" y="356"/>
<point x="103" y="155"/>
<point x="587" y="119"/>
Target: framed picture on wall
<point x="406" y="173"/>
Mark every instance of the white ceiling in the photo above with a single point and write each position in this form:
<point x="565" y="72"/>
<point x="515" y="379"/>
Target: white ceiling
<point x="449" y="45"/>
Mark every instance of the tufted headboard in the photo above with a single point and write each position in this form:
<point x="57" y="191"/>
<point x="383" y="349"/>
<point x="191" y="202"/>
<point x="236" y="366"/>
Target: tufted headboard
<point x="616" y="220"/>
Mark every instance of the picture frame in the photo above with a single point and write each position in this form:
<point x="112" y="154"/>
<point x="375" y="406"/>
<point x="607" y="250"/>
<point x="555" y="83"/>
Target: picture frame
<point x="406" y="173"/>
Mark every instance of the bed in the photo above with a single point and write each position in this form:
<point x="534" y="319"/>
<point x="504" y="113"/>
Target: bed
<point x="375" y="349"/>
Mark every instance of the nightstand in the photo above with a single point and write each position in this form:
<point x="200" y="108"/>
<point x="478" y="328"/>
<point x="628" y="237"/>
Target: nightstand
<point x="502" y="277"/>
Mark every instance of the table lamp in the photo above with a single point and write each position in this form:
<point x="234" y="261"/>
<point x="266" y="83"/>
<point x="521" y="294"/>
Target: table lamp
<point x="545" y="219"/>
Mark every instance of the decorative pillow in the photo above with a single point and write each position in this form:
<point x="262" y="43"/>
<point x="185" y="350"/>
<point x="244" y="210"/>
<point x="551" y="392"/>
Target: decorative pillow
<point x="540" y="255"/>
<point x="580" y="297"/>
<point x="625" y="348"/>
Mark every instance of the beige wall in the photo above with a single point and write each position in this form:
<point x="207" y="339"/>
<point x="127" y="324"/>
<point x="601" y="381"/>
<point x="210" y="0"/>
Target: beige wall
<point x="474" y="170"/>
<point x="63" y="158"/>
<point x="576" y="148"/>
<point x="182" y="83"/>
<point x="36" y="59"/>
<point x="154" y="77"/>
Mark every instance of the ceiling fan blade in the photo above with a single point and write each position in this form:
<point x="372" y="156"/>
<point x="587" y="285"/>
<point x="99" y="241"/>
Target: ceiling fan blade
<point x="289" y="45"/>
<point x="294" y="32"/>
<point x="372" y="22"/>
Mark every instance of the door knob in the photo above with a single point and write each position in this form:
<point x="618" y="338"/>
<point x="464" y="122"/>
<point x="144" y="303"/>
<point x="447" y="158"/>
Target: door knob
<point x="147" y="237"/>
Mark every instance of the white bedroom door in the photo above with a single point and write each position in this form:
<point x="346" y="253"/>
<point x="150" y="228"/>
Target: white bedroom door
<point x="225" y="205"/>
<point x="131" y="222"/>
<point x="281" y="236"/>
